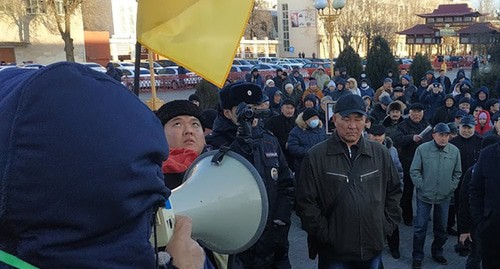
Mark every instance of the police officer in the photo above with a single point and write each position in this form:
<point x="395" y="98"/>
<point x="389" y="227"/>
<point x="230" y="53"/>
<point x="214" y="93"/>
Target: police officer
<point x="237" y="127"/>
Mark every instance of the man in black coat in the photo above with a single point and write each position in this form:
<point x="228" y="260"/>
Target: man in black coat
<point x="445" y="81"/>
<point x="281" y="125"/>
<point x="485" y="204"/>
<point x="407" y="139"/>
<point x="468" y="234"/>
<point x="469" y="144"/>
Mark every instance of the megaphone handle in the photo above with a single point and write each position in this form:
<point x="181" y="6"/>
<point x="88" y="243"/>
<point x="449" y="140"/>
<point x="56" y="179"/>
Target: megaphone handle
<point x="165" y="223"/>
<point x="169" y="218"/>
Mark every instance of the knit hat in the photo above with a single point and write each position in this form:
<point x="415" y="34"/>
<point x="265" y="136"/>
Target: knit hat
<point x="464" y="100"/>
<point x="397" y="89"/>
<point x="417" y="107"/>
<point x="235" y="93"/>
<point x="311" y="97"/>
<point x="176" y="108"/>
<point x="331" y="83"/>
<point x="385" y="100"/>
<point x="395" y="106"/>
<point x="309" y="113"/>
<point x="288" y="102"/>
<point x="377" y="129"/>
<point x="407" y="77"/>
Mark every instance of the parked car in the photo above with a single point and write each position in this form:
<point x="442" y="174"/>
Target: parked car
<point x="144" y="78"/>
<point x="268" y="59"/>
<point x="4" y="67"/>
<point x="267" y="67"/>
<point x="123" y="64"/>
<point x="403" y="63"/>
<point x="241" y="62"/>
<point x="253" y="61"/>
<point x="31" y="66"/>
<point x="156" y="66"/>
<point x="237" y="68"/>
<point x="171" y="79"/>
<point x="166" y="63"/>
<point x="95" y="66"/>
<point x="290" y="62"/>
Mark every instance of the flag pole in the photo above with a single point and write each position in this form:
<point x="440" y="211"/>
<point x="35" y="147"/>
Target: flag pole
<point x="154" y="103"/>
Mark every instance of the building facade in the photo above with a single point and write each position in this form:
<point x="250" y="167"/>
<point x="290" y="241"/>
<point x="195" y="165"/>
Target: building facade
<point x="300" y="28"/>
<point x="30" y="34"/>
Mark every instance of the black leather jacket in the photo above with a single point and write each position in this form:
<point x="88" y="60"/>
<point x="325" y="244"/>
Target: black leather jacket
<point x="348" y="207"/>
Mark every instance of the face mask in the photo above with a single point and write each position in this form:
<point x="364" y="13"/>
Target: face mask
<point x="313" y="123"/>
<point x="364" y="85"/>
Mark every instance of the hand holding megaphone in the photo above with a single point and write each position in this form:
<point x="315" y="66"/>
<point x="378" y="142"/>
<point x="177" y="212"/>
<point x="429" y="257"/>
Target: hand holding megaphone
<point x="186" y="252"/>
<point x="226" y="200"/>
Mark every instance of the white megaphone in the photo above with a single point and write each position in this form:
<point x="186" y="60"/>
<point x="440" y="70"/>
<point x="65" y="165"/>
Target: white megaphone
<point x="226" y="200"/>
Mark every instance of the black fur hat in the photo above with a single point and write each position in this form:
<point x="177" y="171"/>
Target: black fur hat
<point x="176" y="108"/>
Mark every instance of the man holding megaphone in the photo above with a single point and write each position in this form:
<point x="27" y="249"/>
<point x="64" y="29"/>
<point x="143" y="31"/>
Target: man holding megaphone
<point x="80" y="174"/>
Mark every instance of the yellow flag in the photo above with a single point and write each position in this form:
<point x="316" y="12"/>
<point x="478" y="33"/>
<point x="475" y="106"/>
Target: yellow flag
<point x="201" y="35"/>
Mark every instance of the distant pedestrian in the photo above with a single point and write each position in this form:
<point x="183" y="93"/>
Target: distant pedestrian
<point x="113" y="72"/>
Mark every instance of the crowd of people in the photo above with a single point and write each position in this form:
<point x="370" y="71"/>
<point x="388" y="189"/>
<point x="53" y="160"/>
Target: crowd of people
<point x="85" y="166"/>
<point x="433" y="130"/>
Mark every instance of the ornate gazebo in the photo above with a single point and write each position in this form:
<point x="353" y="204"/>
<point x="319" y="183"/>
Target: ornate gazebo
<point x="443" y="30"/>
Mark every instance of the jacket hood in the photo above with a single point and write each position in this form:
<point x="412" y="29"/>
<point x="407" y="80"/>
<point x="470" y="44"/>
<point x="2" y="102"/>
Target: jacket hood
<point x="449" y="96"/>
<point x="483" y="89"/>
<point x="303" y="125"/>
<point x="80" y="169"/>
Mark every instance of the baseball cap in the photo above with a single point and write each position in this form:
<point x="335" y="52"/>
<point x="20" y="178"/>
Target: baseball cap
<point x="469" y="121"/>
<point x="348" y="104"/>
<point x="441" y="128"/>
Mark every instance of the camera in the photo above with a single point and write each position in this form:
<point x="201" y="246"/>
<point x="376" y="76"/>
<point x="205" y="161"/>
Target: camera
<point x="247" y="113"/>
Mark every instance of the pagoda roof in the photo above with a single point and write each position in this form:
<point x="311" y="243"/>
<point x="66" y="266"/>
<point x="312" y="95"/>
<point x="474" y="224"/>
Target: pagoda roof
<point x="451" y="10"/>
<point x="480" y="28"/>
<point x="419" y="29"/>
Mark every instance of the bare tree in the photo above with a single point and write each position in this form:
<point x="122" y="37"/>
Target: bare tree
<point x="15" y="13"/>
<point x="63" y="11"/>
<point x="260" y="24"/>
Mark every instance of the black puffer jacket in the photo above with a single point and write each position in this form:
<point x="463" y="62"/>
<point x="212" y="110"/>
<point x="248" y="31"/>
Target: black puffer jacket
<point x="348" y="207"/>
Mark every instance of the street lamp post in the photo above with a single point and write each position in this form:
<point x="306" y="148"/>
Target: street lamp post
<point x="328" y="17"/>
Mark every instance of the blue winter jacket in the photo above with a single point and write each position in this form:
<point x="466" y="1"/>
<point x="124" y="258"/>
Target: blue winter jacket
<point x="80" y="169"/>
